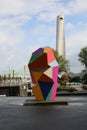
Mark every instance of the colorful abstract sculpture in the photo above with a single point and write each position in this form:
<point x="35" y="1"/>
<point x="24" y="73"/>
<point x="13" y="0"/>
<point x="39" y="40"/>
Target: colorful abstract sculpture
<point x="44" y="73"/>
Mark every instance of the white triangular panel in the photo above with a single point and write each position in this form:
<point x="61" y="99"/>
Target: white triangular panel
<point x="48" y="72"/>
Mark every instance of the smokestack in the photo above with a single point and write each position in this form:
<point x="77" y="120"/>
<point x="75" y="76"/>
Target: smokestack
<point x="60" y="36"/>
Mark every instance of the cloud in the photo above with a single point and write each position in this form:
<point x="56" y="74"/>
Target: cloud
<point x="74" y="42"/>
<point x="26" y="25"/>
<point x="69" y="26"/>
<point x="75" y="64"/>
<point x="44" y="29"/>
<point x="14" y="21"/>
<point x="10" y="37"/>
<point x="18" y="7"/>
<point x="45" y="10"/>
<point x="77" y="7"/>
<point x="9" y="7"/>
<point x="77" y="40"/>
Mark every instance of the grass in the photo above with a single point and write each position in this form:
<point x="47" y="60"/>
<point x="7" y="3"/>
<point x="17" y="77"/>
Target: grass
<point x="66" y="88"/>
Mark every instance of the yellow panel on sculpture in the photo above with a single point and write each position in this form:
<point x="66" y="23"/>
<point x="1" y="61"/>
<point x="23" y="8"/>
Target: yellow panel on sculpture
<point x="37" y="92"/>
<point x="46" y="50"/>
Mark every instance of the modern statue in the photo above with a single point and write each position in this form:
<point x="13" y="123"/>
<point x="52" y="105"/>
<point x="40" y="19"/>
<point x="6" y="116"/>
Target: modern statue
<point x="44" y="73"/>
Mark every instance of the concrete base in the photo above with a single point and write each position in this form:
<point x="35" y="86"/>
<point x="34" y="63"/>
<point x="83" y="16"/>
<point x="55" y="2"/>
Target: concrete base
<point x="58" y="101"/>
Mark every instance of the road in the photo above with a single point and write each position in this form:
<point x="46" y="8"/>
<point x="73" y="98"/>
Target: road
<point x="15" y="116"/>
<point x="73" y="101"/>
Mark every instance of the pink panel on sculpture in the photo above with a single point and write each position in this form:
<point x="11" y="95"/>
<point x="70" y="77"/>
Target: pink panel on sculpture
<point x="55" y="75"/>
<point x="50" y="56"/>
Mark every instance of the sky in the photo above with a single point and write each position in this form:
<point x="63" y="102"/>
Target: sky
<point x="26" y="25"/>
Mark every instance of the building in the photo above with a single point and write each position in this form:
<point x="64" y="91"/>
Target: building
<point x="15" y="88"/>
<point x="60" y="36"/>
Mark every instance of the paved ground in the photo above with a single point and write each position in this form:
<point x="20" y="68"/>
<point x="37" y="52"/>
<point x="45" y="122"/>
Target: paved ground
<point x="14" y="116"/>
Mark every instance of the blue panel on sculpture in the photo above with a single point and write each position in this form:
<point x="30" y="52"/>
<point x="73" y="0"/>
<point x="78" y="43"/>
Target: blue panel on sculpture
<point x="45" y="88"/>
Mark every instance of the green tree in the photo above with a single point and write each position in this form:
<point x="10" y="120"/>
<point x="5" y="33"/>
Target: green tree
<point x="84" y="78"/>
<point x="4" y="78"/>
<point x="75" y="79"/>
<point x="63" y="63"/>
<point x="83" y="60"/>
<point x="64" y="79"/>
<point x="83" y="56"/>
<point x="0" y="78"/>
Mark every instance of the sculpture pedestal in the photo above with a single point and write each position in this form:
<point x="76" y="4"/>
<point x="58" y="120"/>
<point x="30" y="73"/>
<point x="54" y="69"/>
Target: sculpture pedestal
<point x="58" y="101"/>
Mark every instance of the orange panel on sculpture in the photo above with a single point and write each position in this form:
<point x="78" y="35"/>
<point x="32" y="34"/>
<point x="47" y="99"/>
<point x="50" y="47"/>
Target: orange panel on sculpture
<point x="37" y="75"/>
<point x="37" y="92"/>
<point x="46" y="50"/>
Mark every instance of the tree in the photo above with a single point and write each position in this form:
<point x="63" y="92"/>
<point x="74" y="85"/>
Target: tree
<point x="83" y="60"/>
<point x="75" y="79"/>
<point x="63" y="63"/>
<point x="0" y="78"/>
<point x="64" y="79"/>
<point x="4" y="77"/>
<point x="83" y="56"/>
<point x="84" y="78"/>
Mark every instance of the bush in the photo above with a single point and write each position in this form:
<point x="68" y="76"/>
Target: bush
<point x="84" y="86"/>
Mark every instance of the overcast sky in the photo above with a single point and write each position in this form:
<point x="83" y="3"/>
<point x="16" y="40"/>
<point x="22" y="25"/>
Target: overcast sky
<point x="26" y="25"/>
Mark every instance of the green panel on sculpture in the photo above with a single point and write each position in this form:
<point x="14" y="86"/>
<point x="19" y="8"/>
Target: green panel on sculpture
<point x="48" y="97"/>
<point x="34" y="57"/>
